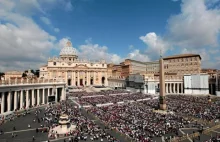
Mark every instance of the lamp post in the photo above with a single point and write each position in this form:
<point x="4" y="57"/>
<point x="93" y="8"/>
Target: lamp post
<point x="147" y="85"/>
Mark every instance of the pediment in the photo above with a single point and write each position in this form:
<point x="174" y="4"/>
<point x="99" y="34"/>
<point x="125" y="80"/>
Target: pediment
<point x="81" y="66"/>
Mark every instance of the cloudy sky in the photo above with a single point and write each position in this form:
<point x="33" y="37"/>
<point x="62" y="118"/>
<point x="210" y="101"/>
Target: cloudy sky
<point x="31" y="31"/>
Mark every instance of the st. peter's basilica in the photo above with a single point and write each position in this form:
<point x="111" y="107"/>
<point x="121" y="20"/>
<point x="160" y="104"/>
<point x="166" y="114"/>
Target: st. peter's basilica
<point x="74" y="71"/>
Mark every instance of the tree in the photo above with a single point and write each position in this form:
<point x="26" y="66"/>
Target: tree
<point x="1" y="74"/>
<point x="37" y="73"/>
<point x="24" y="75"/>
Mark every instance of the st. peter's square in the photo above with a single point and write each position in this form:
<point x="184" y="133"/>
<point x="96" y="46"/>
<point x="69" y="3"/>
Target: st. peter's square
<point x="109" y="71"/>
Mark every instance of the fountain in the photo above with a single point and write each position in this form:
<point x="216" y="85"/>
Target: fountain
<point x="64" y="126"/>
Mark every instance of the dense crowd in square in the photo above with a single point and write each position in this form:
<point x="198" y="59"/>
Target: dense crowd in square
<point x="113" y="98"/>
<point x="85" y="128"/>
<point x="106" y="92"/>
<point x="140" y="122"/>
<point x="137" y="120"/>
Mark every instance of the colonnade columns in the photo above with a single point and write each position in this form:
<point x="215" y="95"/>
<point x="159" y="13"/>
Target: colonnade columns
<point x="56" y="97"/>
<point x="21" y="99"/>
<point x="166" y="87"/>
<point x="9" y="101"/>
<point x="43" y="100"/>
<point x="170" y="91"/>
<point x="71" y="77"/>
<point x="48" y="91"/>
<point x="87" y="78"/>
<point x="27" y="98"/>
<point x="38" y="96"/>
<point x="178" y="88"/>
<point x="63" y="95"/>
<point x="74" y="78"/>
<point x="3" y="103"/>
<point x="33" y="98"/>
<point x="15" y="100"/>
<point x="78" y="81"/>
<point x="66" y="74"/>
<point x="174" y="87"/>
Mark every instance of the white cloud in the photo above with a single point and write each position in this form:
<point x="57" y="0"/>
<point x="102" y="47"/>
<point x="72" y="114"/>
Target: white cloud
<point x="136" y="55"/>
<point x="196" y="26"/>
<point x="196" y="29"/>
<point x="206" y="57"/>
<point x="30" y="7"/>
<point x="155" y="45"/>
<point x="57" y="30"/>
<point x="96" y="52"/>
<point x="23" y="42"/>
<point x="62" y="42"/>
<point x="203" y="53"/>
<point x="45" y="20"/>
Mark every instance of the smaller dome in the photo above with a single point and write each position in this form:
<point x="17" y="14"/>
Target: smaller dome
<point x="68" y="50"/>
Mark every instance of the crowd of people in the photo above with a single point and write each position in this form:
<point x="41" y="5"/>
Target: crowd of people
<point x="198" y="107"/>
<point x="106" y="92"/>
<point x="113" y="98"/>
<point x="85" y="128"/>
<point x="140" y="122"/>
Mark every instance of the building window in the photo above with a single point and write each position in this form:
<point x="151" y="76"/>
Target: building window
<point x="54" y="63"/>
<point x="102" y="65"/>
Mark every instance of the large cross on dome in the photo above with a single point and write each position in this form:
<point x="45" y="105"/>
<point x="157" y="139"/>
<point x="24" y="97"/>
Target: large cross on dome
<point x="68" y="43"/>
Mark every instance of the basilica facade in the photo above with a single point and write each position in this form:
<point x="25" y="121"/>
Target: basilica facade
<point x="75" y="72"/>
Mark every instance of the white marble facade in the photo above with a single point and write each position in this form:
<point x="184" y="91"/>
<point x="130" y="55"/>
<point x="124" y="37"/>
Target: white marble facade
<point x="74" y="71"/>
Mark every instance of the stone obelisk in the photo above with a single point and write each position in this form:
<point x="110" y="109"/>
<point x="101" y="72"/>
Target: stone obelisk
<point x="162" y="97"/>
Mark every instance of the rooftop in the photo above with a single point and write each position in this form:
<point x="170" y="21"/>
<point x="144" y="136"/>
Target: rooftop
<point x="181" y="56"/>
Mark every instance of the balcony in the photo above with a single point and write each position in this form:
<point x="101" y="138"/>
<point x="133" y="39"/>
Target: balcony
<point x="28" y="81"/>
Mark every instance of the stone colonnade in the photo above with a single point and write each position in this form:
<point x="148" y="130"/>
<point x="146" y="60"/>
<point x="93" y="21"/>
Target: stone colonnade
<point x="27" y="98"/>
<point x="86" y="78"/>
<point x="174" y="88"/>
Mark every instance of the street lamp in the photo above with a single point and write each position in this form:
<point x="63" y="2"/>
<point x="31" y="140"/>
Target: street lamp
<point x="147" y="85"/>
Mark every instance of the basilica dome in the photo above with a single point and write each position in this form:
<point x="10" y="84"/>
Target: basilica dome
<point x="68" y="50"/>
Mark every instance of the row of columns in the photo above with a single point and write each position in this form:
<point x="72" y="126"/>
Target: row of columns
<point x="86" y="76"/>
<point x="174" y="88"/>
<point x="27" y="98"/>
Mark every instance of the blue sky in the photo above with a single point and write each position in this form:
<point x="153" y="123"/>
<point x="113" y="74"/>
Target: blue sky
<point x="116" y="24"/>
<point x="31" y="31"/>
